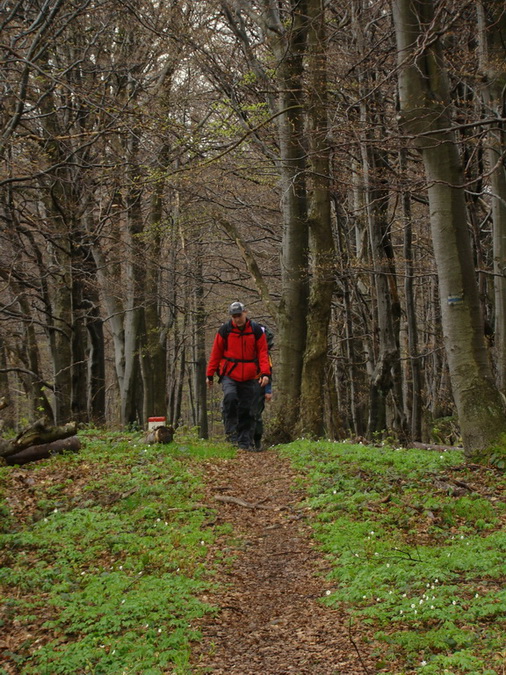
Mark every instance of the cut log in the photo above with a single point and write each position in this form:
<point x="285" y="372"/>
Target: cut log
<point x="38" y="433"/>
<point x="36" y="452"/>
<point x="161" y="434"/>
<point x="434" y="446"/>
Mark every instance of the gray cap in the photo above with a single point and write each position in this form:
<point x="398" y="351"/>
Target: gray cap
<point x="236" y="308"/>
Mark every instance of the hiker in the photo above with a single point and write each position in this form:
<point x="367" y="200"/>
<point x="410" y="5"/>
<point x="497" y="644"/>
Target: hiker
<point x="240" y="358"/>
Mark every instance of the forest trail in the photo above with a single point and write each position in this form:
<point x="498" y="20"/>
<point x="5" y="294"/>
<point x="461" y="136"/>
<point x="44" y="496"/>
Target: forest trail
<point x="271" y="621"/>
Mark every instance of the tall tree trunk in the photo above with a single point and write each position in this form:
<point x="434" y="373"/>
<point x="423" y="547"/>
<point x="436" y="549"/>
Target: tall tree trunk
<point x="134" y="310"/>
<point x="425" y="104"/>
<point x="385" y="389"/>
<point x="492" y="32"/>
<point x="414" y="381"/>
<point x="321" y="241"/>
<point x="200" y="347"/>
<point x="154" y="334"/>
<point x="79" y="401"/>
<point x="386" y="378"/>
<point x="96" y="364"/>
<point x="292" y="316"/>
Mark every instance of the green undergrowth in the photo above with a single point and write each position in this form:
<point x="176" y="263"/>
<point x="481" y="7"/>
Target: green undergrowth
<point x="417" y="545"/>
<point x="105" y="555"/>
<point x="103" y="565"/>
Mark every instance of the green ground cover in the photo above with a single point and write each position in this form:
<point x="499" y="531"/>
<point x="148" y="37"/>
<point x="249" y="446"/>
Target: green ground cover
<point x="417" y="544"/>
<point x="104" y="564"/>
<point x="105" y="555"/>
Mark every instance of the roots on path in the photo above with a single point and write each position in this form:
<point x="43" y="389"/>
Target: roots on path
<point x="271" y="620"/>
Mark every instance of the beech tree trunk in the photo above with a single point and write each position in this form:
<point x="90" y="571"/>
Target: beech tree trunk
<point x="321" y="241"/>
<point x="492" y="25"/>
<point x="154" y="334"/>
<point x="425" y="105"/>
<point x="413" y="398"/>
<point x="289" y="48"/>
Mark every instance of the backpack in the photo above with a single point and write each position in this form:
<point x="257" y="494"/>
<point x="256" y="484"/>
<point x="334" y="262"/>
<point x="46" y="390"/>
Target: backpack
<point x="269" y="336"/>
<point x="257" y="329"/>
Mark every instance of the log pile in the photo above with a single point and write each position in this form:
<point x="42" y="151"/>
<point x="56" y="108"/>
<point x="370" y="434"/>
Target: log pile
<point x="39" y="441"/>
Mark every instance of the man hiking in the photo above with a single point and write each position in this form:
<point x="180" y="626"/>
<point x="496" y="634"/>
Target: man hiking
<point x="240" y="358"/>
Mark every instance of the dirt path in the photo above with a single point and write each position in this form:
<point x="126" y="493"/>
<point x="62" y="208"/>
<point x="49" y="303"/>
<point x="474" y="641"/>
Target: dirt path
<point x="271" y="621"/>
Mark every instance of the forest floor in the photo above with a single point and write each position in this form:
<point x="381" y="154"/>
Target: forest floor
<point x="89" y="524"/>
<point x="271" y="619"/>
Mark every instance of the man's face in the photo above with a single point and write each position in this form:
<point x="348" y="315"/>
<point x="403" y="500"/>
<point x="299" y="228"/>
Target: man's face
<point x="239" y="319"/>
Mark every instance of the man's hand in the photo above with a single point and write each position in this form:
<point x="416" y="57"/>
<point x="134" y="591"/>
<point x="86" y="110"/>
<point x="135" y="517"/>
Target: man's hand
<point x="264" y="380"/>
<point x="209" y="382"/>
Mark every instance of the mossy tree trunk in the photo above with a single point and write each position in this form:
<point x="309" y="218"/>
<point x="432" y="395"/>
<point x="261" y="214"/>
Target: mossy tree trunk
<point x="321" y="241"/>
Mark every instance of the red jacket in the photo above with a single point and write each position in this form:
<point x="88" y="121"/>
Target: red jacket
<point x="241" y="354"/>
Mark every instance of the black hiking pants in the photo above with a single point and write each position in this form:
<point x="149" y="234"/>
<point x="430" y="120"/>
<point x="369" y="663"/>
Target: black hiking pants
<point x="240" y="404"/>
